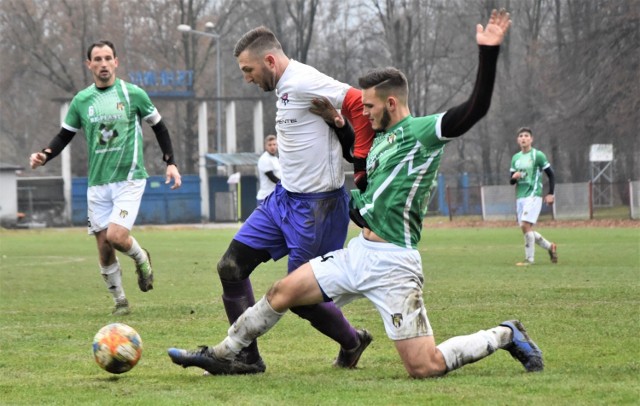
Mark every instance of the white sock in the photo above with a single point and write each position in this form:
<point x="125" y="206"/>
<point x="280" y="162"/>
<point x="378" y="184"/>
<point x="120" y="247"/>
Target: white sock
<point x="136" y="252"/>
<point x="529" y="248"/>
<point x="540" y="240"/>
<point x="254" y="322"/>
<point x="112" y="275"/>
<point x="462" y="350"/>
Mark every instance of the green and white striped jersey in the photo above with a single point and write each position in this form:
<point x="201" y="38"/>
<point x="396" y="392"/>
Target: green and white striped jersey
<point x="111" y="120"/>
<point x="401" y="169"/>
<point x="530" y="165"/>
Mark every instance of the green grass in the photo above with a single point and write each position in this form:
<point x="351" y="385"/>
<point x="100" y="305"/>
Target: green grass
<point x="582" y="312"/>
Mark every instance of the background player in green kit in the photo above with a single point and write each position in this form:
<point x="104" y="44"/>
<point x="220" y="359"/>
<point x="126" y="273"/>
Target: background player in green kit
<point x="526" y="173"/>
<point x="110" y="112"/>
<point x="382" y="263"/>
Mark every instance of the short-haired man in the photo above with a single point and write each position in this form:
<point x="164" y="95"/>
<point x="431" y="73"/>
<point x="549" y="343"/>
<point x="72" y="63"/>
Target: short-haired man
<point x="307" y="214"/>
<point x="526" y="173"/>
<point x="269" y="172"/>
<point x="110" y="112"/>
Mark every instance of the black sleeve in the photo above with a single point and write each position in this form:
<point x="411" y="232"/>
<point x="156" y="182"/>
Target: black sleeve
<point x="458" y="120"/>
<point x="552" y="179"/>
<point x="347" y="137"/>
<point x="272" y="177"/>
<point x="164" y="140"/>
<point x="511" y="180"/>
<point x="58" y="143"/>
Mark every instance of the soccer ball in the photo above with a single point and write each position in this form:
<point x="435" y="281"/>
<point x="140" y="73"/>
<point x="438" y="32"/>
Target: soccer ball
<point x="117" y="348"/>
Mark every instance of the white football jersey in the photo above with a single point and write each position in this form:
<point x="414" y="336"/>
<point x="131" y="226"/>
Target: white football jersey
<point x="266" y="163"/>
<point x="309" y="151"/>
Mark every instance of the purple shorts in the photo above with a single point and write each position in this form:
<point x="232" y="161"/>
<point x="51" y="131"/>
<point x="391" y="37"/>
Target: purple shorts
<point x="302" y="225"/>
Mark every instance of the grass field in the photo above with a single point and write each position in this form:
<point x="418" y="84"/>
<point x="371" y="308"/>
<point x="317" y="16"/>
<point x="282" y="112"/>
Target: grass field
<point x="583" y="312"/>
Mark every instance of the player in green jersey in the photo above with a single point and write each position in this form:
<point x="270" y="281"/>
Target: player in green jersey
<point x="110" y="113"/>
<point x="526" y="173"/>
<point x="382" y="263"/>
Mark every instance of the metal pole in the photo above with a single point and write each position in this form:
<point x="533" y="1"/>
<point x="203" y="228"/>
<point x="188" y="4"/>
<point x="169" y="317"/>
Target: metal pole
<point x="203" y="146"/>
<point x="187" y="29"/>
<point x="218" y="95"/>
<point x="67" y="180"/>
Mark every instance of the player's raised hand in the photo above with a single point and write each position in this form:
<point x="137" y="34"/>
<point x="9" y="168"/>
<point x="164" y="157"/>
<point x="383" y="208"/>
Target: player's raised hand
<point x="323" y="107"/>
<point x="496" y="28"/>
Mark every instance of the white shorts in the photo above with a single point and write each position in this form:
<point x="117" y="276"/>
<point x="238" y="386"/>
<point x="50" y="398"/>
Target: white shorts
<point x="529" y="209"/>
<point x="116" y="203"/>
<point x="388" y="275"/>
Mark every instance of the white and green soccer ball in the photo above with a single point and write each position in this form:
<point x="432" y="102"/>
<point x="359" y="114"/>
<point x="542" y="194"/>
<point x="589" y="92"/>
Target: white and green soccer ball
<point x="117" y="348"/>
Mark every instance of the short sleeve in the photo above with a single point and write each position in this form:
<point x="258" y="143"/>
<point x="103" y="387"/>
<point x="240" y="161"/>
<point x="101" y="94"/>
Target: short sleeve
<point x="72" y="120"/>
<point x="542" y="160"/>
<point x="264" y="164"/>
<point x="428" y="130"/>
<point x="145" y="107"/>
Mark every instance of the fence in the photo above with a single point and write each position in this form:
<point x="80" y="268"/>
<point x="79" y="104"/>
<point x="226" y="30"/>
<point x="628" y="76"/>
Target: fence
<point x="41" y="199"/>
<point x="573" y="201"/>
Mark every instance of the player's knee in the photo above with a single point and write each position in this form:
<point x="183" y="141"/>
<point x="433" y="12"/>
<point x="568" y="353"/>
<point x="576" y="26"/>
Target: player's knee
<point x="228" y="268"/>
<point x="422" y="370"/>
<point x="420" y="373"/>
<point x="427" y="362"/>
<point x="239" y="261"/>
<point x="117" y="240"/>
<point x="278" y="296"/>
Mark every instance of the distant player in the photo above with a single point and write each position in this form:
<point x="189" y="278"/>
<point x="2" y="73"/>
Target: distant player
<point x="269" y="171"/>
<point x="110" y="112"/>
<point x="526" y="173"/>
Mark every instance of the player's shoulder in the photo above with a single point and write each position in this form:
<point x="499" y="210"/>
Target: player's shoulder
<point x="86" y="92"/>
<point x="423" y="123"/>
<point x="539" y="154"/>
<point x="307" y="75"/>
<point x="516" y="156"/>
<point x="132" y="88"/>
<point x="425" y="119"/>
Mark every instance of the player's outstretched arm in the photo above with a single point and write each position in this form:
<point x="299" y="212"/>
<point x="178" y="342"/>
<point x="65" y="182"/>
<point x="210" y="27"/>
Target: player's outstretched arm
<point x="57" y="144"/>
<point x="461" y="118"/>
<point x="496" y="29"/>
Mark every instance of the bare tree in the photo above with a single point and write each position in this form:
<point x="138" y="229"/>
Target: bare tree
<point x="590" y="84"/>
<point x="197" y="53"/>
<point x="44" y="44"/>
<point x="568" y="68"/>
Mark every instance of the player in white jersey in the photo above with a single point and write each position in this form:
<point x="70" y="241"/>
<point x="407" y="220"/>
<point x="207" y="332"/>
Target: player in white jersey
<point x="382" y="263"/>
<point x="269" y="172"/>
<point x="110" y="112"/>
<point x="308" y="212"/>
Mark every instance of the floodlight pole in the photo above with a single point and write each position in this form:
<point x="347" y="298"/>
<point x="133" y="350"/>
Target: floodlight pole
<point x="188" y="30"/>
